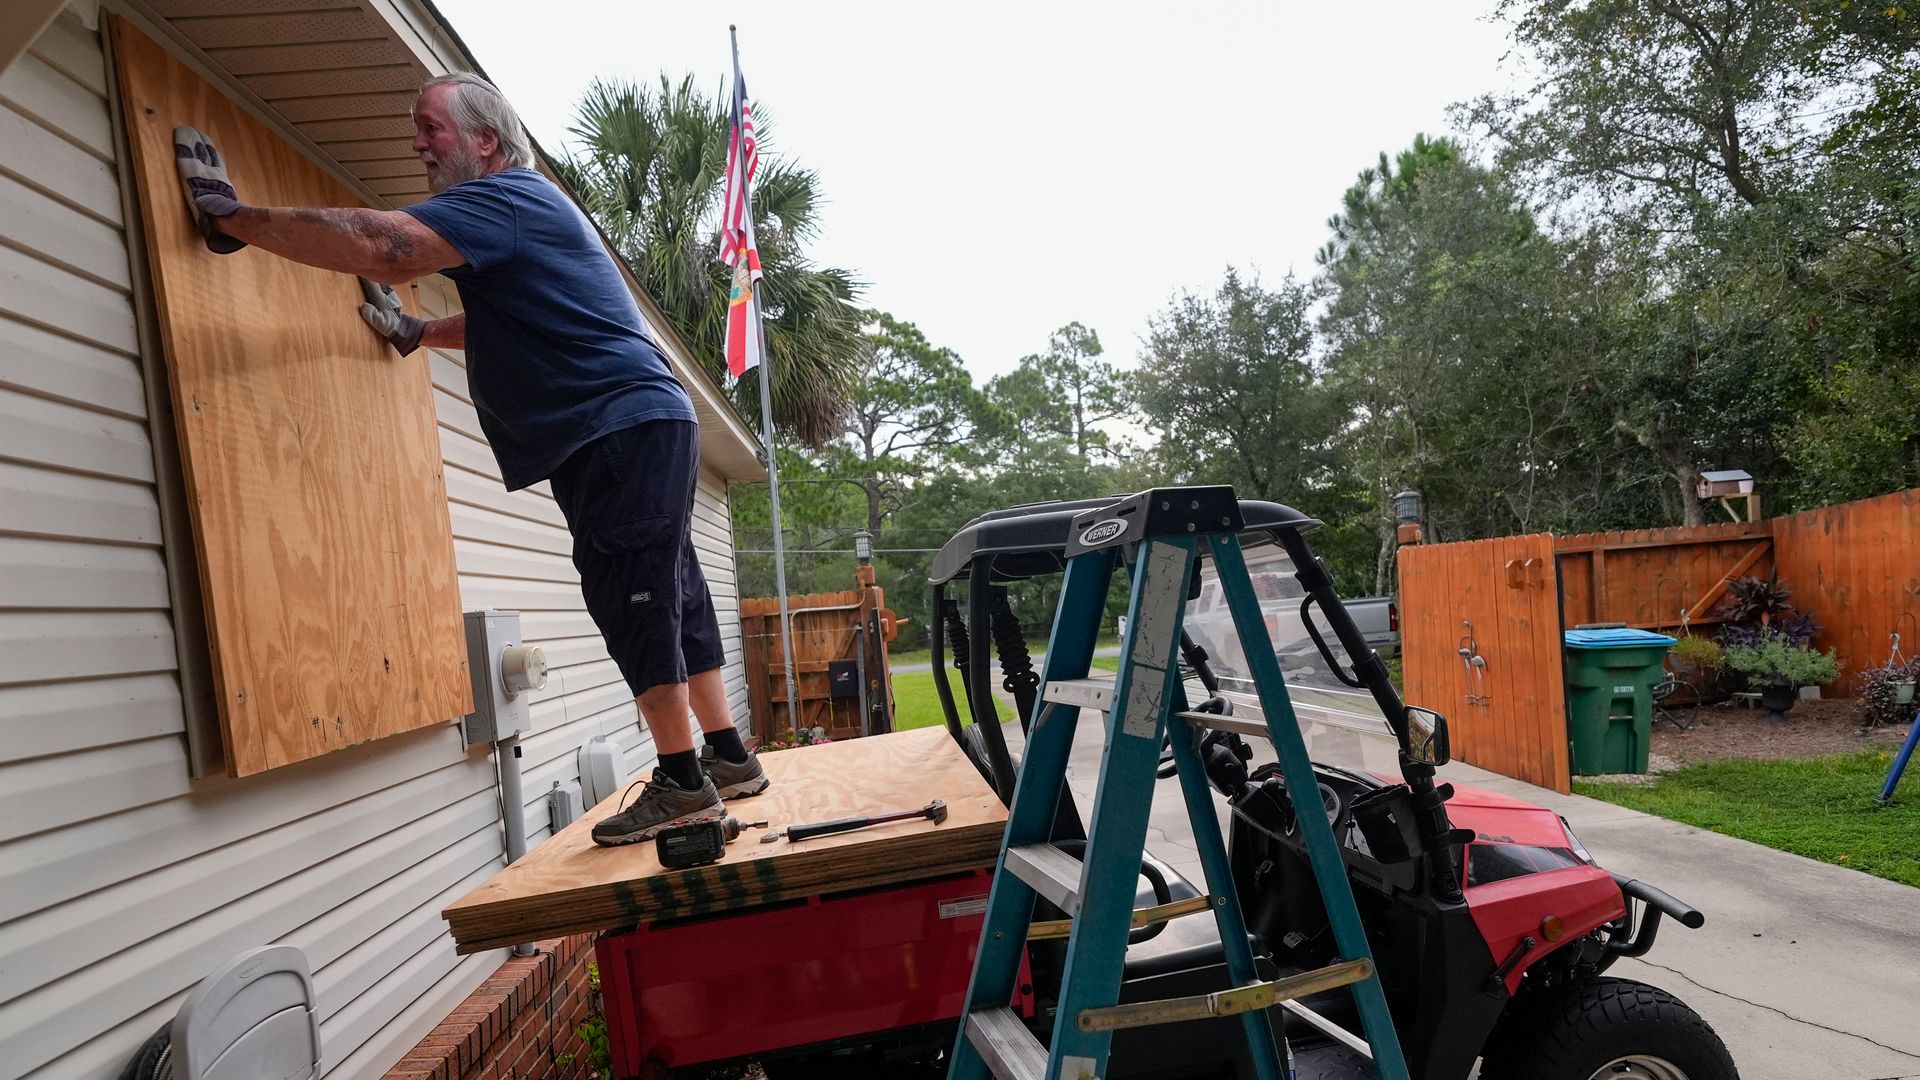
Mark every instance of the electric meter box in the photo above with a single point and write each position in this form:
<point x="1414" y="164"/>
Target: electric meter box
<point x="505" y="673"/>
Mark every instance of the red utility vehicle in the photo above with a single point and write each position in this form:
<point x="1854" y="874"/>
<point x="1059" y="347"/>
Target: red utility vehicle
<point x="1492" y="927"/>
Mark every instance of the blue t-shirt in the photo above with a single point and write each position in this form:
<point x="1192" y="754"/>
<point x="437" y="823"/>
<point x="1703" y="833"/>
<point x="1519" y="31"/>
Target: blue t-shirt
<point x="557" y="354"/>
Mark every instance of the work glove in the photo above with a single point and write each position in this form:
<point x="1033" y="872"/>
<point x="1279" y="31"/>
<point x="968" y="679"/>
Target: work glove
<point x="382" y="312"/>
<point x="210" y="196"/>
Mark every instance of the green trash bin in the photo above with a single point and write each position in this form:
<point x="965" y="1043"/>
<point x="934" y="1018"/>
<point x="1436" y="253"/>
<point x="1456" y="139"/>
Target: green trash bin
<point x="1610" y="679"/>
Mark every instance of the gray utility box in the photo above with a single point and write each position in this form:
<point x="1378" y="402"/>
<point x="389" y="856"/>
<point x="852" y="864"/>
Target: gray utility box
<point x="505" y="671"/>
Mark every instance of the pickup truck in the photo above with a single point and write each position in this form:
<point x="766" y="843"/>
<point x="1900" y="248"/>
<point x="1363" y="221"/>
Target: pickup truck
<point x="1211" y="625"/>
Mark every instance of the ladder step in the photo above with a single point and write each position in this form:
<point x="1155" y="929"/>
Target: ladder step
<point x="1086" y="693"/>
<point x="1053" y="929"/>
<point x="1334" y="1031"/>
<point x="1235" y="724"/>
<point x="1006" y="1046"/>
<point x="1051" y="872"/>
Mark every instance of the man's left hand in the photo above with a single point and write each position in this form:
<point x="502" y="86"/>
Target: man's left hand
<point x="382" y="311"/>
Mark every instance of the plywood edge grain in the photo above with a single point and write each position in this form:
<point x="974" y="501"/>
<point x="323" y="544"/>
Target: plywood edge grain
<point x="568" y="885"/>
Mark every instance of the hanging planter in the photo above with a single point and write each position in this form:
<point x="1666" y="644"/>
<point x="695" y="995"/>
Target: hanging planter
<point x="1898" y="665"/>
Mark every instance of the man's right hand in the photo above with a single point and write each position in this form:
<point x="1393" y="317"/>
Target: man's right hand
<point x="382" y="312"/>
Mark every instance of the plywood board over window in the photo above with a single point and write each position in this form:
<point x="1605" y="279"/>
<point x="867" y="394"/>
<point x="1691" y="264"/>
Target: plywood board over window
<point x="311" y="460"/>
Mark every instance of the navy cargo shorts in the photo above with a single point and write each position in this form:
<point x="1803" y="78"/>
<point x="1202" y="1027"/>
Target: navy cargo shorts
<point x="628" y="498"/>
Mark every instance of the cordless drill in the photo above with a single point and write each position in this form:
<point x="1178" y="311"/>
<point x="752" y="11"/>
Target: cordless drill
<point x="697" y="843"/>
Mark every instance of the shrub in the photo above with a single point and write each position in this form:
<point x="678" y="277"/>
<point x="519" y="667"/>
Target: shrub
<point x="1757" y="599"/>
<point x="1799" y="630"/>
<point x="1877" y="694"/>
<point x="1757" y="612"/>
<point x="1778" y="662"/>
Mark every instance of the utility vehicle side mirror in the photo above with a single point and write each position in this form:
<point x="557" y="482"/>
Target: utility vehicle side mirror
<point x="1427" y="736"/>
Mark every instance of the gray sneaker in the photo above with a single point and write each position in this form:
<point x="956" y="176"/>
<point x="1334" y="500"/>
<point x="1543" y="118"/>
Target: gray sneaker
<point x="733" y="781"/>
<point x="661" y="803"/>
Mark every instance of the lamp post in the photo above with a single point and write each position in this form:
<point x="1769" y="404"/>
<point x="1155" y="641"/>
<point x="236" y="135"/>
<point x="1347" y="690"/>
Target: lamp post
<point x="863" y="559"/>
<point x="866" y="634"/>
<point x="1408" y="508"/>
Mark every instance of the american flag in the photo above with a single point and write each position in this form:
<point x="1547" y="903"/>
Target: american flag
<point x="736" y="221"/>
<point x="745" y="347"/>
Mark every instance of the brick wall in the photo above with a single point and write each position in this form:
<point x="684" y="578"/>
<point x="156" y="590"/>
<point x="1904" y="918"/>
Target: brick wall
<point x="518" y="1025"/>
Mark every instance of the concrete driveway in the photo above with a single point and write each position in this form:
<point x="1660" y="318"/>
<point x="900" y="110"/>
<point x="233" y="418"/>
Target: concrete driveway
<point x="1807" y="971"/>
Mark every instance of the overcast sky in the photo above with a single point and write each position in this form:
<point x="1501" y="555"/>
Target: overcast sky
<point x="994" y="171"/>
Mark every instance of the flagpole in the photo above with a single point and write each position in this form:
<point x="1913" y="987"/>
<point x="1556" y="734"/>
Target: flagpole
<point x="766" y="438"/>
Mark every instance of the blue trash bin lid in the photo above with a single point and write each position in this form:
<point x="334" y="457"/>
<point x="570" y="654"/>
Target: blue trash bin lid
<point x="1615" y="639"/>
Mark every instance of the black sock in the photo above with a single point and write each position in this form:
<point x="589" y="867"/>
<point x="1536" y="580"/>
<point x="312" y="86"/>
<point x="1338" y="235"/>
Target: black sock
<point x="727" y="744"/>
<point x="683" y="768"/>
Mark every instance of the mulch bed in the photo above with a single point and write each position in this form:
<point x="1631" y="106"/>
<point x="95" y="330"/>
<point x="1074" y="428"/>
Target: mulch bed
<point x="1813" y="729"/>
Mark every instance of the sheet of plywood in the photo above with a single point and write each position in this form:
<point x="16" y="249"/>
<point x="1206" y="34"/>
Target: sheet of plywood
<point x="311" y="459"/>
<point x="568" y="885"/>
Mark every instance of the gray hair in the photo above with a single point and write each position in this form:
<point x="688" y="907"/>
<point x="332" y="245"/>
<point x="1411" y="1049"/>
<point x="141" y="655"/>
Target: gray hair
<point x="477" y="104"/>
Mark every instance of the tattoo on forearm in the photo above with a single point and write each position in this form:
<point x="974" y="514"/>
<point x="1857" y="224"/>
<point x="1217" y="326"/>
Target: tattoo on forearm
<point x="394" y="242"/>
<point x="389" y="241"/>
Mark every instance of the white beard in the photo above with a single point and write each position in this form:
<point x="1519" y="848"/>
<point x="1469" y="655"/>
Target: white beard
<point x="457" y="168"/>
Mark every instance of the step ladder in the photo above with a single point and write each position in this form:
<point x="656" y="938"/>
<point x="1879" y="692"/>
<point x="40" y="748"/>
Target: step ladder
<point x="1160" y="533"/>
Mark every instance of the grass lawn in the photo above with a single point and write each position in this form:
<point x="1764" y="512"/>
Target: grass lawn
<point x="900" y="658"/>
<point x="917" y="703"/>
<point x="1821" y="808"/>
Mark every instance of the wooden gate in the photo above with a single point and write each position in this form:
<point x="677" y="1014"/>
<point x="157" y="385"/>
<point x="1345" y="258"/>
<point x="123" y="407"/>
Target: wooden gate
<point x="848" y="631"/>
<point x="1480" y="638"/>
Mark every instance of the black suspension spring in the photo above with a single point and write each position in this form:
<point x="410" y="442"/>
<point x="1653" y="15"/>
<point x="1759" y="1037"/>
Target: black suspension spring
<point x="957" y="630"/>
<point x="1016" y="664"/>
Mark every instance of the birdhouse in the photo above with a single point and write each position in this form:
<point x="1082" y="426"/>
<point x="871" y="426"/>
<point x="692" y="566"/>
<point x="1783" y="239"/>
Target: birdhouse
<point x="1722" y="483"/>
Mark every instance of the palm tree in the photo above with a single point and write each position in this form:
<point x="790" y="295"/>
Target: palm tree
<point x="651" y="168"/>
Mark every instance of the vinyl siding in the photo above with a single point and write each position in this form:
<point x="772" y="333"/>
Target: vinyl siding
<point x="122" y="881"/>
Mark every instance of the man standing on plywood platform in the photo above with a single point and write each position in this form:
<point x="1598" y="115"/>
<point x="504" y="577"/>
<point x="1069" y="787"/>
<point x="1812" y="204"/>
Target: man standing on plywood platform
<point x="570" y="388"/>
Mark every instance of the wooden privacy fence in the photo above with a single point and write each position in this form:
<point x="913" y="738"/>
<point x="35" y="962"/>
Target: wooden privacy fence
<point x="1480" y="641"/>
<point x="1659" y="579"/>
<point x="840" y="660"/>
<point x="1855" y="566"/>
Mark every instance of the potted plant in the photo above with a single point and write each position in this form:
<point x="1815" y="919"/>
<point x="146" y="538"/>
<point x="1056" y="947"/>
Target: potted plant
<point x="1696" y="665"/>
<point x="1778" y="669"/>
<point x="1884" y="695"/>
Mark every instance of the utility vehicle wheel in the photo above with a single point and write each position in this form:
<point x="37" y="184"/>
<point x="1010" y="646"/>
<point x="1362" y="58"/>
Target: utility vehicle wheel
<point x="1607" y="1029"/>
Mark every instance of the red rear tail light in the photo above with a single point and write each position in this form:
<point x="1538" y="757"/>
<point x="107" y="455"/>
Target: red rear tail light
<point x="1393" y="616"/>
